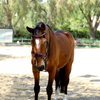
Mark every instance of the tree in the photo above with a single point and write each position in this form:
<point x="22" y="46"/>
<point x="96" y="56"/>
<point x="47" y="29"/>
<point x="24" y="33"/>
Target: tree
<point x="22" y="12"/>
<point x="14" y="10"/>
<point x="37" y="12"/>
<point x="52" y="12"/>
<point x="45" y="12"/>
<point x="7" y="12"/>
<point x="52" y="15"/>
<point x="62" y="10"/>
<point x="90" y="10"/>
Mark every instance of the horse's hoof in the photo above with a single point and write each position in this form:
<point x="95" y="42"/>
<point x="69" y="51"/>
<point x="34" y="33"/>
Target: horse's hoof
<point x="56" y="98"/>
<point x="56" y="94"/>
<point x="65" y="97"/>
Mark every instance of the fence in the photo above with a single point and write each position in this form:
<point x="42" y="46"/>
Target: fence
<point x="78" y="42"/>
<point x="23" y="41"/>
<point x="89" y="43"/>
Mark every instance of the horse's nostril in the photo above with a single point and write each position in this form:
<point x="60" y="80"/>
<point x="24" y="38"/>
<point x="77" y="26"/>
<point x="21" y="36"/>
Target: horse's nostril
<point x="40" y="68"/>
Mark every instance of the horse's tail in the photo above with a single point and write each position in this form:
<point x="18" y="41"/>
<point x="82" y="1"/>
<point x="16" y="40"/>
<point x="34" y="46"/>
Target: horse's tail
<point x="62" y="79"/>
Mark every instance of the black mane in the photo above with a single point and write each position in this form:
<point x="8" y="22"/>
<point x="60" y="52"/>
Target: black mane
<point x="48" y="26"/>
<point x="37" y="29"/>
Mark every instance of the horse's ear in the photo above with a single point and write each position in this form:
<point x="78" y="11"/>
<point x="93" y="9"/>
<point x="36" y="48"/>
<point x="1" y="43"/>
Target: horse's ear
<point x="31" y="30"/>
<point x="43" y="27"/>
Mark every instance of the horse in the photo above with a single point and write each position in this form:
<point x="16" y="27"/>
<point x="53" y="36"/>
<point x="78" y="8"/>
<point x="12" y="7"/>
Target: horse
<point x="52" y="52"/>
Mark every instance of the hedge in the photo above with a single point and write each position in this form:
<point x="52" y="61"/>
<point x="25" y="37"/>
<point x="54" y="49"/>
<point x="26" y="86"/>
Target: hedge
<point x="83" y="33"/>
<point x="21" y="33"/>
<point x="79" y="33"/>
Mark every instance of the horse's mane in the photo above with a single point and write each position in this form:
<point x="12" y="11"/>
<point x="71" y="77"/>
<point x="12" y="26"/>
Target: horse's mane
<point x="48" y="26"/>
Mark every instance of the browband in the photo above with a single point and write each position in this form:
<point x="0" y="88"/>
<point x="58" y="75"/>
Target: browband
<point x="37" y="36"/>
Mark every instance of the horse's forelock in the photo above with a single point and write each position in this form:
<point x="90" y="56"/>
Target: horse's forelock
<point x="37" y="29"/>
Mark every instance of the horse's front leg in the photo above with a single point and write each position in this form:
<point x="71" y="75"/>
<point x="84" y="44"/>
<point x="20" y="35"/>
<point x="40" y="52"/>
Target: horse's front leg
<point x="50" y="82"/>
<point x="36" y="86"/>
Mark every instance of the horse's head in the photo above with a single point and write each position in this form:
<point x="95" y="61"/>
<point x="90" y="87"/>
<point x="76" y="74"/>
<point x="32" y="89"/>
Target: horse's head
<point x="39" y="43"/>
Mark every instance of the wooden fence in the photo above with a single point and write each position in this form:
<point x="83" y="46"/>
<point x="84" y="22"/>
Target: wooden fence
<point x="78" y="42"/>
<point x="89" y="43"/>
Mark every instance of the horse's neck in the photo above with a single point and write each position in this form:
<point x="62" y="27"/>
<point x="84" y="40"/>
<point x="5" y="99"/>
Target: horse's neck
<point x="53" y="37"/>
<point x="53" y="41"/>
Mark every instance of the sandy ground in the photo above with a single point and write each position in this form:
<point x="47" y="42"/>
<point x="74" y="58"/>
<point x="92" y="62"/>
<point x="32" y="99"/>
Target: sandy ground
<point x="17" y="82"/>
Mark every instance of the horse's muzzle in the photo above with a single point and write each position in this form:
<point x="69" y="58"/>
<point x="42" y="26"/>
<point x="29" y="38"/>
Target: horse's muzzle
<point x="40" y="68"/>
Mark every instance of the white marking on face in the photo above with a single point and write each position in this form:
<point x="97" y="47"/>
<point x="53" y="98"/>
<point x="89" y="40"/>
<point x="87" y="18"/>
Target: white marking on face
<point x="37" y="43"/>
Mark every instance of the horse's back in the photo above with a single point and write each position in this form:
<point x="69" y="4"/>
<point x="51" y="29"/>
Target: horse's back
<point x="68" y="37"/>
<point x="59" y="34"/>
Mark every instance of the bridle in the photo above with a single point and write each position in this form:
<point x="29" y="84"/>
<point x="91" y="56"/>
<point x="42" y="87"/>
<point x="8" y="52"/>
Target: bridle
<point x="44" y="56"/>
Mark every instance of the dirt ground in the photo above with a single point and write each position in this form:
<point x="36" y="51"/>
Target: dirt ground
<point x="17" y="81"/>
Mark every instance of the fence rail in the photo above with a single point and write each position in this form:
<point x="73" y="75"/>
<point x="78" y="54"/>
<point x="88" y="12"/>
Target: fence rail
<point x="78" y="42"/>
<point x="90" y="43"/>
<point x="22" y="41"/>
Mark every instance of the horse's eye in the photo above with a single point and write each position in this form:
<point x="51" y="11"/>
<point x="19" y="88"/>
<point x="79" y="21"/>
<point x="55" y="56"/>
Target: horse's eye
<point x="45" y="42"/>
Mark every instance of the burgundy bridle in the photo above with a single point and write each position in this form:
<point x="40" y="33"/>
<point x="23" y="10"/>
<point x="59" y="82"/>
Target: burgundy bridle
<point x="44" y="56"/>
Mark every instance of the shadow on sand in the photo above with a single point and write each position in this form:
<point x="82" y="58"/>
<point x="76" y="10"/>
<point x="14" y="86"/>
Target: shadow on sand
<point x="21" y="87"/>
<point x="4" y="57"/>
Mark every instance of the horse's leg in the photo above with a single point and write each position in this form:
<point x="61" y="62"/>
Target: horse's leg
<point x="50" y="82"/>
<point x="67" y="74"/>
<point x="66" y="86"/>
<point x="56" y="85"/>
<point x="36" y="86"/>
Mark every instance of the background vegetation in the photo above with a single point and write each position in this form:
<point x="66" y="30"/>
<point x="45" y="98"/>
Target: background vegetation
<point x="75" y="16"/>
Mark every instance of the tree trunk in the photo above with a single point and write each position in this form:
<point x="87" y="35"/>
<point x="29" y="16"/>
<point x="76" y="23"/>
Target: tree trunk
<point x="9" y="19"/>
<point x="92" y="28"/>
<point x="92" y="32"/>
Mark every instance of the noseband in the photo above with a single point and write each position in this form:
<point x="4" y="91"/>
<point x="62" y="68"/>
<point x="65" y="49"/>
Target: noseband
<point x="44" y="56"/>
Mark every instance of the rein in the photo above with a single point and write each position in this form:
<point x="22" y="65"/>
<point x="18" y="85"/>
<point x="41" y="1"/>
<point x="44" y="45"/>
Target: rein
<point x="44" y="56"/>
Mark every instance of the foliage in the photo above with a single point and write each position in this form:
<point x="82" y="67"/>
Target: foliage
<point x="97" y="35"/>
<point x="90" y="9"/>
<point x="21" y="33"/>
<point x="70" y="15"/>
<point x="82" y="33"/>
<point x="13" y="11"/>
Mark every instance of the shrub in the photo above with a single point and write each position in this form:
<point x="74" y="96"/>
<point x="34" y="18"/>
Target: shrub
<point x="82" y="33"/>
<point x="21" y="33"/>
<point x="97" y="35"/>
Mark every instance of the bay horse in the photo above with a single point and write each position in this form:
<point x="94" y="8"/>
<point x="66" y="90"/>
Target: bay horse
<point x="54" y="53"/>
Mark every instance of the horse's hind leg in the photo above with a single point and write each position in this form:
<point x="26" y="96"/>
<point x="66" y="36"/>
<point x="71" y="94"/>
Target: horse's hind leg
<point x="57" y="83"/>
<point x="67" y="75"/>
<point x="66" y="86"/>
